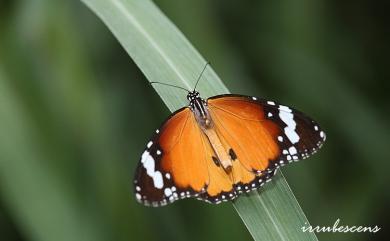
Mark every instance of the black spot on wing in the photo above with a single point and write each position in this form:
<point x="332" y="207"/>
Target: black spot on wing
<point x="232" y="154"/>
<point x="216" y="161"/>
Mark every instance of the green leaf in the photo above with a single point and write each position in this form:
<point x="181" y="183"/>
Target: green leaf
<point x="273" y="213"/>
<point x="163" y="54"/>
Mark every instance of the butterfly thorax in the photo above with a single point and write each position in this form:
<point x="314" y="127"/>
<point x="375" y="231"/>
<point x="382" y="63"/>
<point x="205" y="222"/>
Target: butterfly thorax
<point x="199" y="108"/>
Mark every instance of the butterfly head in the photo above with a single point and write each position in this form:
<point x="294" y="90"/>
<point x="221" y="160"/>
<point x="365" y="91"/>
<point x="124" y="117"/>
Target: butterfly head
<point x="193" y="95"/>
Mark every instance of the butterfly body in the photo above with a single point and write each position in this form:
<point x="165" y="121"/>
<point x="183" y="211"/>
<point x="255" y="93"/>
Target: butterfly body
<point x="199" y="108"/>
<point x="217" y="148"/>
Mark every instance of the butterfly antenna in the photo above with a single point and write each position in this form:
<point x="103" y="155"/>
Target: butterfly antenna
<point x="155" y="82"/>
<point x="201" y="73"/>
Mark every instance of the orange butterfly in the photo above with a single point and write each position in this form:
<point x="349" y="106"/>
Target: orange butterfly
<point x="217" y="148"/>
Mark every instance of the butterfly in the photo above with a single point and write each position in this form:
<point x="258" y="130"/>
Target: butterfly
<point x="218" y="148"/>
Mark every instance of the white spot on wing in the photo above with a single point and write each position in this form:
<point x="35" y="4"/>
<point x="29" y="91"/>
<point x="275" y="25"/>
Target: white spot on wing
<point x="284" y="108"/>
<point x="167" y="192"/>
<point x="292" y="150"/>
<point x="158" y="180"/>
<point x="288" y="118"/>
<point x="270" y="102"/>
<point x="292" y="135"/>
<point x="149" y="164"/>
<point x="138" y="196"/>
<point x="150" y="143"/>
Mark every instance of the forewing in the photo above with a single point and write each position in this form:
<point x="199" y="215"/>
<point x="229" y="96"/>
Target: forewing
<point x="264" y="134"/>
<point x="173" y="164"/>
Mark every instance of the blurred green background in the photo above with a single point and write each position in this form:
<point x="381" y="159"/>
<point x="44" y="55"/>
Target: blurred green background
<point x="75" y="114"/>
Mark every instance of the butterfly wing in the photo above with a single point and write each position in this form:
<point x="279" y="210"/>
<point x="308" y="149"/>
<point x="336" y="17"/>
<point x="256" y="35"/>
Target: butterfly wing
<point x="258" y="136"/>
<point x="264" y="134"/>
<point x="173" y="164"/>
<point x="179" y="162"/>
